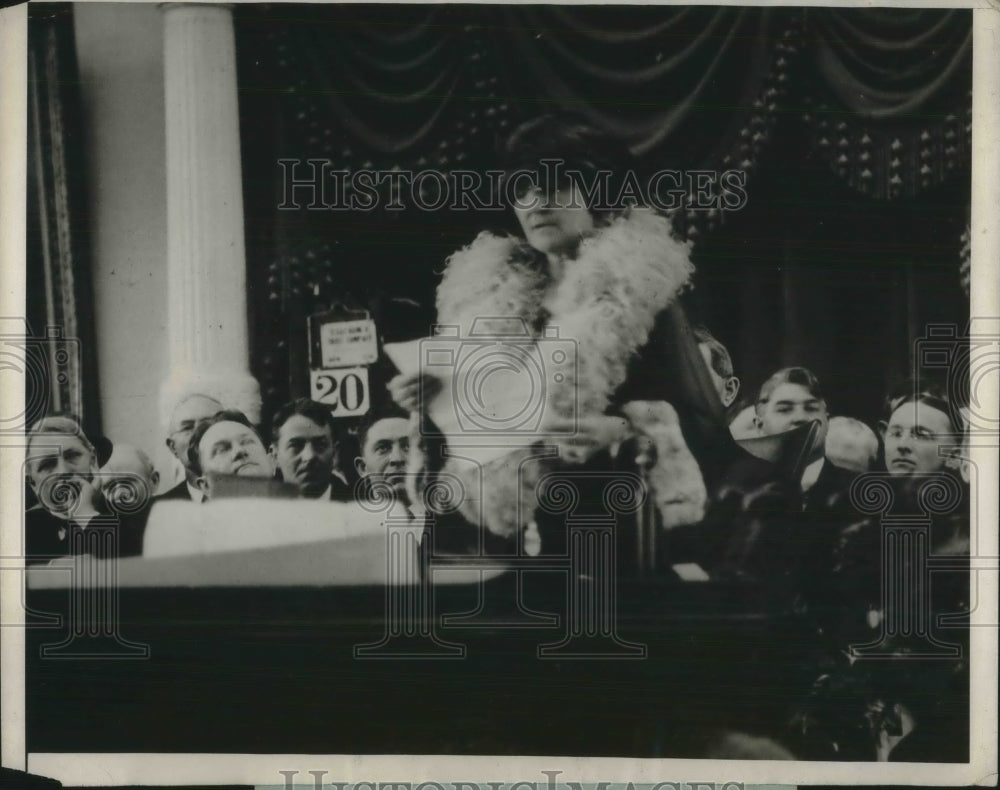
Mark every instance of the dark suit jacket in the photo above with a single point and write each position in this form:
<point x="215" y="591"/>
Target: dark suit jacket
<point x="179" y="491"/>
<point x="340" y="491"/>
<point x="831" y="491"/>
<point x="48" y="537"/>
<point x="777" y="530"/>
<point x="670" y="367"/>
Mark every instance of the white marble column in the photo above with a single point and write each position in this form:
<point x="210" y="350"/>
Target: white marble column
<point x="206" y="259"/>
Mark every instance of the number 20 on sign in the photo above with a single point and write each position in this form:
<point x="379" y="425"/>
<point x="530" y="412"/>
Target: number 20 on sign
<point x="344" y="390"/>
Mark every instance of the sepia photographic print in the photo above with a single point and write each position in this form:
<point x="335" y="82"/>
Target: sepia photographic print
<point x="499" y="395"/>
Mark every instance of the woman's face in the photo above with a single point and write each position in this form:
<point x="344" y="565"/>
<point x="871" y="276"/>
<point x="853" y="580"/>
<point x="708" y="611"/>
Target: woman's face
<point x="554" y="224"/>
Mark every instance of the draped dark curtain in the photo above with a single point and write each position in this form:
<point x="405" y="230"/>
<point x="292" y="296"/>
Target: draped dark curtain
<point x="62" y="373"/>
<point x="890" y="96"/>
<point x="852" y="125"/>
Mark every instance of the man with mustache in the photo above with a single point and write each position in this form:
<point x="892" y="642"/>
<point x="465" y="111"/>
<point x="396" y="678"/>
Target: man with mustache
<point x="303" y="447"/>
<point x="227" y="444"/>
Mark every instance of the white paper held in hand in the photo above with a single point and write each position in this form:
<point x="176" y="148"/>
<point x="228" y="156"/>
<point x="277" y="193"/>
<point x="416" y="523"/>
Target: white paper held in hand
<point x="492" y="396"/>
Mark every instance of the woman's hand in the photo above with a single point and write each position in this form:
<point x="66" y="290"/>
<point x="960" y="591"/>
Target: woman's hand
<point x="579" y="439"/>
<point x="406" y="390"/>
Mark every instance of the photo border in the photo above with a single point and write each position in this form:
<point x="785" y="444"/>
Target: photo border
<point x="87" y="769"/>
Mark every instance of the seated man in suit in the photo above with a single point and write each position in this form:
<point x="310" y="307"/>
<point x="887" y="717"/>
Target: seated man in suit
<point x="303" y="447"/>
<point x="918" y="426"/>
<point x="792" y="398"/>
<point x="62" y="469"/>
<point x="921" y="440"/>
<point x="190" y="410"/>
<point x="384" y="440"/>
<point x="783" y="519"/>
<point x="227" y="444"/>
<point x="720" y="365"/>
<point x="127" y="481"/>
<point x="127" y="463"/>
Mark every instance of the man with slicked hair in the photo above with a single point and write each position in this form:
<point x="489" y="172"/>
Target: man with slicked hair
<point x="227" y="444"/>
<point x="792" y="398"/>
<point x="304" y="446"/>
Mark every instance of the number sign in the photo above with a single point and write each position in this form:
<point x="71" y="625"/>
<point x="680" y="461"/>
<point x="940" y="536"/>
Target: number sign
<point x="344" y="390"/>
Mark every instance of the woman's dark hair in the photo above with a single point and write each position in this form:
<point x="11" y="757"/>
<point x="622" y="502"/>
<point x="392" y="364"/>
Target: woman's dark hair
<point x="575" y="149"/>
<point x="571" y="139"/>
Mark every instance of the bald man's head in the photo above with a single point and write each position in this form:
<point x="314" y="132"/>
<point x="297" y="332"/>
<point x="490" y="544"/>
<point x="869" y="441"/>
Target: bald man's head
<point x="128" y="473"/>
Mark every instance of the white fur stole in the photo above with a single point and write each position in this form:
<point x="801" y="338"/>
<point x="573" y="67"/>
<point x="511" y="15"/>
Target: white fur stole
<point x="623" y="276"/>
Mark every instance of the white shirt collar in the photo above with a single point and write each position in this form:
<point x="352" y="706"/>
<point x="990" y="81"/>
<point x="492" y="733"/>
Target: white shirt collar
<point x="811" y="474"/>
<point x="197" y="495"/>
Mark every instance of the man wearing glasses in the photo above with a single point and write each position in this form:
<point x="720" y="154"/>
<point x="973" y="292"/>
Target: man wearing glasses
<point x="919" y="425"/>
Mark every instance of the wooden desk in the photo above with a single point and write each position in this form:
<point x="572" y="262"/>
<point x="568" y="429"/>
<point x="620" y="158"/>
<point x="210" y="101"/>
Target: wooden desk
<point x="274" y="670"/>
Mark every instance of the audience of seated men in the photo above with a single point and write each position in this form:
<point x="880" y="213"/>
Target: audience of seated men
<point x="62" y="472"/>
<point x="908" y="704"/>
<point x="790" y="399"/>
<point x="921" y="440"/>
<point x="227" y="444"/>
<point x="782" y="519"/>
<point x="186" y="415"/>
<point x="303" y="446"/>
<point x="774" y="526"/>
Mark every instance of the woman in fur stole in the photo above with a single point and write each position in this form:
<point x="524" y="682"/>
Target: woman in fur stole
<point x="608" y="280"/>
